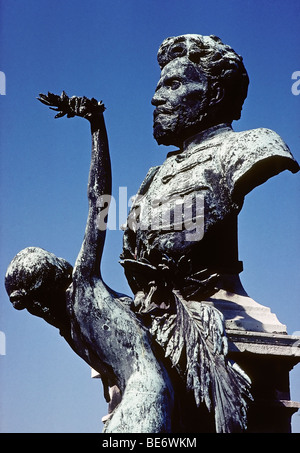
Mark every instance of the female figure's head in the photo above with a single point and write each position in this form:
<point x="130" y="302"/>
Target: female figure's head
<point x="37" y="280"/>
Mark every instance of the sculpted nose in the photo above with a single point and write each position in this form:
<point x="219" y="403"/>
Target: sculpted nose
<point x="18" y="299"/>
<point x="157" y="99"/>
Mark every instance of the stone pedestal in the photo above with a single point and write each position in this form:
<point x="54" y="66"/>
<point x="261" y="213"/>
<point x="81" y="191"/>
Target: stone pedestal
<point x="267" y="359"/>
<point x="259" y="343"/>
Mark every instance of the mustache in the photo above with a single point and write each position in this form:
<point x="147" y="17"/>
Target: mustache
<point x="164" y="111"/>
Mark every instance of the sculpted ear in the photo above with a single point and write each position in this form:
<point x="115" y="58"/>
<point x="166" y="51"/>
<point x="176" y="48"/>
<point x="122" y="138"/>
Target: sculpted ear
<point x="217" y="94"/>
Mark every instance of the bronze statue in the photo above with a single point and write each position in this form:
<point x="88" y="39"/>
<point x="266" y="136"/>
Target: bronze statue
<point x="164" y="351"/>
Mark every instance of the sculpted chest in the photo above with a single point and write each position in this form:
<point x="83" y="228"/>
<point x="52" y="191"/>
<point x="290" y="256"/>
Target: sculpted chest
<point x="188" y="191"/>
<point x="193" y="199"/>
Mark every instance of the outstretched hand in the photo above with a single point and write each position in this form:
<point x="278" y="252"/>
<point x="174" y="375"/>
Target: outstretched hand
<point x="74" y="106"/>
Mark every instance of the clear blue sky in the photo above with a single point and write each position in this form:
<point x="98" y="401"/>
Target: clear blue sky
<point x="107" y="49"/>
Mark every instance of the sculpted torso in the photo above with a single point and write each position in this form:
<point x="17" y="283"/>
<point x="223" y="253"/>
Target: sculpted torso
<point x="189" y="205"/>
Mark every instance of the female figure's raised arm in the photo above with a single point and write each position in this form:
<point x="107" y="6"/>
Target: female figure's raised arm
<point x="99" y="184"/>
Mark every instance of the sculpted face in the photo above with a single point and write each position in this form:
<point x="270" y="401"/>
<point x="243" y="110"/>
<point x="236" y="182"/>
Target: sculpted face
<point x="181" y="102"/>
<point x="37" y="280"/>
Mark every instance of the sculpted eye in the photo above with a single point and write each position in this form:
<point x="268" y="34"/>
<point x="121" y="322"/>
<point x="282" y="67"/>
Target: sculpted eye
<point x="174" y="84"/>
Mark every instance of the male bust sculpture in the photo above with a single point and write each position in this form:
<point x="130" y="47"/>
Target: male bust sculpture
<point x="201" y="91"/>
<point x="167" y="346"/>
